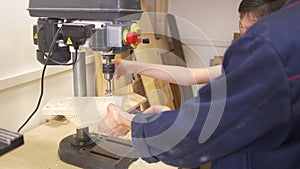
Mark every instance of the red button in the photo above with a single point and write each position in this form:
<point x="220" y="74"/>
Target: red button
<point x="132" y="37"/>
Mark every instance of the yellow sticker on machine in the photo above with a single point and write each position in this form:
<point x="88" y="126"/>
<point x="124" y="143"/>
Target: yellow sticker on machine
<point x="69" y="41"/>
<point x="35" y="36"/>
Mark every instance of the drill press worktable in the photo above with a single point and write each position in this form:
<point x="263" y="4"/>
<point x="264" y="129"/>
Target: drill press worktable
<point x="40" y="150"/>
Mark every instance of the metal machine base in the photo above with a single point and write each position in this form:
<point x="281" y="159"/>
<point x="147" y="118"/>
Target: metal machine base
<point x="94" y="154"/>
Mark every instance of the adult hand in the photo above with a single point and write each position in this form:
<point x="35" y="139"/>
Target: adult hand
<point x="157" y="109"/>
<point x="117" y="122"/>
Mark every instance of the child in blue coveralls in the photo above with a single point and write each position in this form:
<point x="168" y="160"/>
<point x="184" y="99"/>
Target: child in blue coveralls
<point x="257" y="110"/>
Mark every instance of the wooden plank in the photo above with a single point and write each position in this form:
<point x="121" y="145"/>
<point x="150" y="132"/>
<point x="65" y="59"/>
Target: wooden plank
<point x="157" y="91"/>
<point x="175" y="46"/>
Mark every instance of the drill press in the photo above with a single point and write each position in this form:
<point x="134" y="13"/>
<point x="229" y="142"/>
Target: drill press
<point x="109" y="27"/>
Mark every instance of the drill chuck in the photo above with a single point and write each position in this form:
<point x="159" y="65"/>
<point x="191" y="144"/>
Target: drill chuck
<point x="108" y="68"/>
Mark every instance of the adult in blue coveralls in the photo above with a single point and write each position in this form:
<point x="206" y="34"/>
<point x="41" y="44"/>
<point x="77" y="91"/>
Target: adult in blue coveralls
<point x="257" y="112"/>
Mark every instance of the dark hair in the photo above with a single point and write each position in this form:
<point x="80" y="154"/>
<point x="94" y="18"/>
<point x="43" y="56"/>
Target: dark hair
<point x="259" y="8"/>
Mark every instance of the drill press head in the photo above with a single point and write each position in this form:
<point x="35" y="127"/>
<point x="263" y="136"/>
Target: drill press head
<point x="112" y="22"/>
<point x="114" y="38"/>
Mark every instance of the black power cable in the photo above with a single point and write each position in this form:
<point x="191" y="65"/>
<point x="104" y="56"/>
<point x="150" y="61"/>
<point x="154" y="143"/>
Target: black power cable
<point x="48" y="58"/>
<point x="40" y="98"/>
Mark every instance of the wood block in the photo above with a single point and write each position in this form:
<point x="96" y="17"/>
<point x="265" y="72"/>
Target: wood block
<point x="87" y="111"/>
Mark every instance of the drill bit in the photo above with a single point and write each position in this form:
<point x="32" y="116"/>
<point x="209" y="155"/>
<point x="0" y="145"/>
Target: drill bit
<point x="109" y="88"/>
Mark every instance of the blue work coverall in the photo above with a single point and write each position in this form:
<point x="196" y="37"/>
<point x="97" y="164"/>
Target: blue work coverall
<point x="249" y="117"/>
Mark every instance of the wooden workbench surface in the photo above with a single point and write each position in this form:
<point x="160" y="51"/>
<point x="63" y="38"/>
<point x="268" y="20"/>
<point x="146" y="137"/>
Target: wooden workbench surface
<point x="40" y="150"/>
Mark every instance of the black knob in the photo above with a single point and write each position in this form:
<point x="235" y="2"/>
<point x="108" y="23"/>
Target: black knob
<point x="146" y="41"/>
